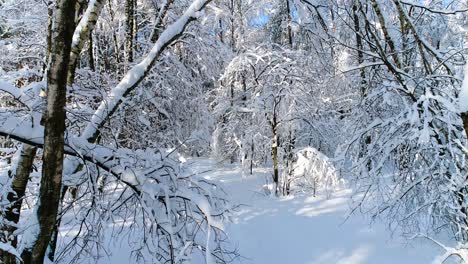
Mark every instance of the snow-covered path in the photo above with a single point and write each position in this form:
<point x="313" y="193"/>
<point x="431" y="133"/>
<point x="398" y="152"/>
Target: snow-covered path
<point x="304" y="229"/>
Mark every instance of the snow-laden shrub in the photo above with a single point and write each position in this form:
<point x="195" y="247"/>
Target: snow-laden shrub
<point x="142" y="196"/>
<point x="313" y="171"/>
<point x="165" y="214"/>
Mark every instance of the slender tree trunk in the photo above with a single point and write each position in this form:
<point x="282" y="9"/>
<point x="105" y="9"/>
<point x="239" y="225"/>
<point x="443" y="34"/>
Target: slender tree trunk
<point x="289" y="21"/>
<point x="252" y="149"/>
<point x="274" y="153"/>
<point x="330" y="39"/>
<point x="464" y="117"/>
<point x="135" y="27"/>
<point x="159" y="20"/>
<point x="54" y="236"/>
<point x="114" y="36"/>
<point x="221" y="33"/>
<point x="49" y="30"/>
<point x="81" y="35"/>
<point x="233" y="30"/>
<point x="91" y="51"/>
<point x="12" y="215"/>
<point x="54" y="123"/>
<point x="363" y="82"/>
<point x="461" y="194"/>
<point x="23" y="167"/>
<point x="289" y="161"/>
<point x="386" y="33"/>
<point x="359" y="47"/>
<point x="274" y="150"/>
<point x="129" y="27"/>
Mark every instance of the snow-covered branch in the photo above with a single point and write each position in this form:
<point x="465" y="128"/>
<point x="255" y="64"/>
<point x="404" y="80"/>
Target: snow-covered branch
<point x="134" y="76"/>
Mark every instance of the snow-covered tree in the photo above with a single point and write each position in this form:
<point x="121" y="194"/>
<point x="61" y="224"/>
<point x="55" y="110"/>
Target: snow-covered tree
<point x="107" y="176"/>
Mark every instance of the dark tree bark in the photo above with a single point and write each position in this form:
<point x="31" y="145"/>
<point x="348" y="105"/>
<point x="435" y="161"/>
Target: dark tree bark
<point x="252" y="151"/>
<point x="129" y="27"/>
<point x="54" y="123"/>
<point x="159" y="20"/>
<point x="274" y="151"/>
<point x="289" y="21"/>
<point x="221" y="33"/>
<point x="359" y="46"/>
<point x="23" y="168"/>
<point x="91" y="52"/>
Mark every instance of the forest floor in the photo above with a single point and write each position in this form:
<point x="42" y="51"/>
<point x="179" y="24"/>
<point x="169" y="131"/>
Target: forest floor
<point x="306" y="229"/>
<point x="299" y="229"/>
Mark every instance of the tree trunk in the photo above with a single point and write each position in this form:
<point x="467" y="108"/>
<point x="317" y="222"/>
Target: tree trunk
<point x="91" y="52"/>
<point x="15" y="198"/>
<point x="274" y="153"/>
<point x="135" y="26"/>
<point x="252" y="149"/>
<point x="49" y="30"/>
<point x="359" y="47"/>
<point x="274" y="150"/>
<point x="23" y="168"/>
<point x="114" y="37"/>
<point x="221" y="39"/>
<point x="461" y="194"/>
<point x="289" y="21"/>
<point x="129" y="27"/>
<point x="83" y="32"/>
<point x="159" y="20"/>
<point x="54" y="123"/>
<point x="289" y="161"/>
<point x="233" y="31"/>
<point x="388" y="38"/>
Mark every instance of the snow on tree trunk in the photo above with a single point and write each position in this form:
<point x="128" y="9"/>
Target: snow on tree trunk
<point x="54" y="122"/>
<point x="19" y="174"/>
<point x="82" y="34"/>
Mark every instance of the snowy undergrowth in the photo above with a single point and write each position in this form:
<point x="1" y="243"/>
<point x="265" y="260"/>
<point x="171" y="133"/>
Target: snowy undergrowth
<point x="299" y="229"/>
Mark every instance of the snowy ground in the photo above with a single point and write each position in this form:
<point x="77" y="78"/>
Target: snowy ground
<point x="304" y="229"/>
<point x="297" y="230"/>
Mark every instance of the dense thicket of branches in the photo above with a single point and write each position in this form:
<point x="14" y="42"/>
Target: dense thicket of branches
<point x="374" y="84"/>
<point x="362" y="91"/>
<point x="123" y="132"/>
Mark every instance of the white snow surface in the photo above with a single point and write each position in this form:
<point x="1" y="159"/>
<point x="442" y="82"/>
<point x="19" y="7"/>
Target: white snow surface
<point x="297" y="230"/>
<point x="306" y="229"/>
<point x="463" y="99"/>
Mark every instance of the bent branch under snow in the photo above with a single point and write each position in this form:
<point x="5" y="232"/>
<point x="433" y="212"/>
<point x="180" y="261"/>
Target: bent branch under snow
<point x="115" y="162"/>
<point x="32" y="133"/>
<point x="134" y="76"/>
